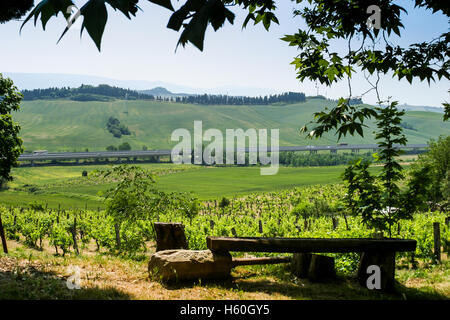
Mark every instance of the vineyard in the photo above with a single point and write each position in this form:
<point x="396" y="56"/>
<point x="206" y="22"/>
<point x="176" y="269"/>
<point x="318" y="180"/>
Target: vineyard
<point x="275" y="214"/>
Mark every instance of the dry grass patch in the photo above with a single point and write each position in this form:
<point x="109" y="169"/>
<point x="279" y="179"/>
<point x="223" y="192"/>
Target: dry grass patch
<point x="32" y="274"/>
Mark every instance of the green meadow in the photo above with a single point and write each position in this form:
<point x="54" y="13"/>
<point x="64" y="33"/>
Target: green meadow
<point x="64" y="186"/>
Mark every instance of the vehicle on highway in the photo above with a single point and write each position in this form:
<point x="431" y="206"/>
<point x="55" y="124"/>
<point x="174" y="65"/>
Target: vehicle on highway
<point x="40" y="152"/>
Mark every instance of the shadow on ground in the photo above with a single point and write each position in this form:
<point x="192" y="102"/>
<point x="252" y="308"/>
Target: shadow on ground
<point x="290" y="287"/>
<point x="32" y="283"/>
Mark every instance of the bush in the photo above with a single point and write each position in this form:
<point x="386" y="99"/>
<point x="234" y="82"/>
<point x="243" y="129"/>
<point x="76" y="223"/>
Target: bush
<point x="224" y="202"/>
<point x="3" y="184"/>
<point x="124" y="146"/>
<point x="36" y="206"/>
<point x="113" y="125"/>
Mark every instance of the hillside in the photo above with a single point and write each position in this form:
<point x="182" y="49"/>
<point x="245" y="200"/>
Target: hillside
<point x="65" y="125"/>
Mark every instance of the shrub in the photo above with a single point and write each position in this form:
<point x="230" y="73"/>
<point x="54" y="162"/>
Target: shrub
<point x="124" y="146"/>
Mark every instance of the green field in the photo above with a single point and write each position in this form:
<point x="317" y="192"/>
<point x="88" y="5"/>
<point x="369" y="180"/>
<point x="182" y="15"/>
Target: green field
<point x="64" y="186"/>
<point x="210" y="183"/>
<point x="64" y="125"/>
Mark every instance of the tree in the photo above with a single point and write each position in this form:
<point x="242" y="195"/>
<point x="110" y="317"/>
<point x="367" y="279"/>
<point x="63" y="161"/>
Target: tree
<point x="378" y="199"/>
<point x="14" y="9"/>
<point x="124" y="146"/>
<point x="135" y="198"/>
<point x="390" y="133"/>
<point x="435" y="167"/>
<point x="10" y="142"/>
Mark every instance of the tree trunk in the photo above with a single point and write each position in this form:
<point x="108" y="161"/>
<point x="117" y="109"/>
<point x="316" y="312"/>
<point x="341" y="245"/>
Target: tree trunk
<point x="346" y="222"/>
<point x="335" y="222"/>
<point x="2" y="235"/>
<point x="117" y="229"/>
<point x="437" y="242"/>
<point x="74" y="235"/>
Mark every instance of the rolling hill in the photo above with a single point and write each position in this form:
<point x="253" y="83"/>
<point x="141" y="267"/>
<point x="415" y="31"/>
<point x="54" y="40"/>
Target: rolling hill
<point x="65" y="125"/>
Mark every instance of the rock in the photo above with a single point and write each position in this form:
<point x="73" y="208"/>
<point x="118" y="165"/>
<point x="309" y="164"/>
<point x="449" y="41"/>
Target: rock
<point x="177" y="265"/>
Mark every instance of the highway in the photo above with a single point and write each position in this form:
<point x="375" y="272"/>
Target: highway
<point x="143" y="154"/>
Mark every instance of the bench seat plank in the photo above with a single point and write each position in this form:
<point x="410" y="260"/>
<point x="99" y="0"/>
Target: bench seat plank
<point x="298" y="245"/>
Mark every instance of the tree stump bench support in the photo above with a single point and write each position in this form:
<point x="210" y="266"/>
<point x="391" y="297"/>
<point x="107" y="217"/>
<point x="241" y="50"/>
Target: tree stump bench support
<point x="312" y="266"/>
<point x="170" y="236"/>
<point x="378" y="252"/>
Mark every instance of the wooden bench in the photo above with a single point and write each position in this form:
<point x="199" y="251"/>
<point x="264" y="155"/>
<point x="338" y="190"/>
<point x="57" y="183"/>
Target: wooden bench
<point x="379" y="252"/>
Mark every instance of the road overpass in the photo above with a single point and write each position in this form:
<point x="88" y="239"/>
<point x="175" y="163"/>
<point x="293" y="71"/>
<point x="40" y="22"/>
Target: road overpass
<point x="48" y="156"/>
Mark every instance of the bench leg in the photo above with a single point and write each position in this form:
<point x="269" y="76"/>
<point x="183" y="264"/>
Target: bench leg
<point x="300" y="264"/>
<point x="170" y="236"/>
<point x="370" y="277"/>
<point x="312" y="266"/>
<point x="321" y="268"/>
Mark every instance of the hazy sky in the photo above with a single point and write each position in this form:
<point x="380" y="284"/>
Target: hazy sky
<point x="144" y="49"/>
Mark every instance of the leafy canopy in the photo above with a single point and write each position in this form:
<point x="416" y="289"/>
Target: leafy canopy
<point x="135" y="196"/>
<point x="14" y="9"/>
<point x="10" y="142"/>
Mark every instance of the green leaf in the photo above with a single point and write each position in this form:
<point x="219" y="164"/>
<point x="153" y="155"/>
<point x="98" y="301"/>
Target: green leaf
<point x="164" y="3"/>
<point x="125" y="6"/>
<point x="95" y="17"/>
<point x="47" y="9"/>
<point x="359" y="129"/>
<point x="177" y="18"/>
<point x="195" y="31"/>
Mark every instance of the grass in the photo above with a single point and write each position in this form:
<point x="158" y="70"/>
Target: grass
<point x="64" y="125"/>
<point x="209" y="183"/>
<point x="64" y="186"/>
<point x="27" y="273"/>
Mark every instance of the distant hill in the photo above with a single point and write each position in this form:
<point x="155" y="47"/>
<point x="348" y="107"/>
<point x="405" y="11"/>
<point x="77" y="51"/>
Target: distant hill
<point x="421" y="108"/>
<point x="104" y="92"/>
<point x="31" y="81"/>
<point x="163" y="92"/>
<point x="66" y="125"/>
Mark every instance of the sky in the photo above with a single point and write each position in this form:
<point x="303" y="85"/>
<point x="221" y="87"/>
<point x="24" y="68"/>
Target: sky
<point x="144" y="49"/>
